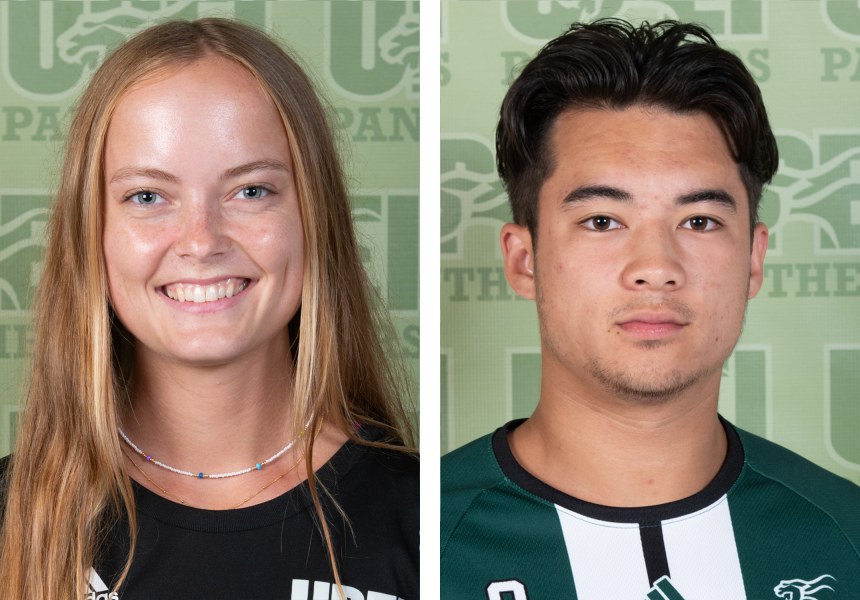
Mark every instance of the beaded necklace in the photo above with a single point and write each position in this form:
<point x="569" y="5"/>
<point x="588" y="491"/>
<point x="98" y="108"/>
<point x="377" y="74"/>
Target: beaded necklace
<point x="235" y="506"/>
<point x="201" y="475"/>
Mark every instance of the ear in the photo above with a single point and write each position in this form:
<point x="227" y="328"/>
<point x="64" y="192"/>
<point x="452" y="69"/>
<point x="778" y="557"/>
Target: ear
<point x="759" y="247"/>
<point x="518" y="255"/>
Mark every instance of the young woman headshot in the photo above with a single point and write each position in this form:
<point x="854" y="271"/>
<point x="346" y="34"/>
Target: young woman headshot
<point x="210" y="410"/>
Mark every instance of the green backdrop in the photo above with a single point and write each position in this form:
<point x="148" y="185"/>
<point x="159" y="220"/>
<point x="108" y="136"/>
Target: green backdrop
<point x="364" y="57"/>
<point x="795" y="375"/>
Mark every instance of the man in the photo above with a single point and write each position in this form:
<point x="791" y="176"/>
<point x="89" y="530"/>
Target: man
<point x="634" y="159"/>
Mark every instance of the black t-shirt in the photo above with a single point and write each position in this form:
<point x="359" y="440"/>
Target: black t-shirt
<point x="275" y="549"/>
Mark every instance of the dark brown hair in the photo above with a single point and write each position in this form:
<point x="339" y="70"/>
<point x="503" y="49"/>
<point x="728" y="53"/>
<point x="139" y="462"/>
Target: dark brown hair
<point x="612" y="64"/>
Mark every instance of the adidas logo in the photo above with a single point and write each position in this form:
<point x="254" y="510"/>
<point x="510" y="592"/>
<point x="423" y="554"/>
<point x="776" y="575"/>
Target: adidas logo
<point x="97" y="590"/>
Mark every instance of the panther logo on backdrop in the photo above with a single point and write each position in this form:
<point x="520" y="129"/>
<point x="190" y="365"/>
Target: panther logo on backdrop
<point x="382" y="60"/>
<point x="49" y="49"/>
<point x="23" y="219"/>
<point x="471" y="191"/>
<point x="818" y="183"/>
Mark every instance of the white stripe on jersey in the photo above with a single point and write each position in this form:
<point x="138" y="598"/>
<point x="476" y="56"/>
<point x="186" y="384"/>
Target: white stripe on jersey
<point x="703" y="556"/>
<point x="607" y="561"/>
<point x="598" y="552"/>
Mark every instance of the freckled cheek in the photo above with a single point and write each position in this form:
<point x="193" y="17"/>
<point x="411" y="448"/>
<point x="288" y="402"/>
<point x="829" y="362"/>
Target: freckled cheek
<point x="132" y="256"/>
<point x="280" y="246"/>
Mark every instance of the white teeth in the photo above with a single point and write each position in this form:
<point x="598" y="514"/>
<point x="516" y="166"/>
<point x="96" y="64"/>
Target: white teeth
<point x="205" y="293"/>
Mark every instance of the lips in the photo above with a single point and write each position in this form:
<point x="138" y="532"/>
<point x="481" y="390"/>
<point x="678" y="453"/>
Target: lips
<point x="654" y="318"/>
<point x="209" y="292"/>
<point x="652" y="325"/>
<point x="651" y="329"/>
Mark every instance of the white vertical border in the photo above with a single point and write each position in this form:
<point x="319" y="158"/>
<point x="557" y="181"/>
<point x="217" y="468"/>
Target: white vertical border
<point x="430" y="347"/>
<point x="828" y="409"/>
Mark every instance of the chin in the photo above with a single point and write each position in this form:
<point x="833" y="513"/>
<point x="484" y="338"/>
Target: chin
<point x="203" y="353"/>
<point x="653" y="387"/>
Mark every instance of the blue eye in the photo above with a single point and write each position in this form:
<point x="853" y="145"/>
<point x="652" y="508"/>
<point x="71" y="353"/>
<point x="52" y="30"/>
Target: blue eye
<point x="254" y="192"/>
<point x="145" y="197"/>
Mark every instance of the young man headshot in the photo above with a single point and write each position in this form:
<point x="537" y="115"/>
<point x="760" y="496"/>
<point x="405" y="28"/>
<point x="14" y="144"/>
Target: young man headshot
<point x="634" y="158"/>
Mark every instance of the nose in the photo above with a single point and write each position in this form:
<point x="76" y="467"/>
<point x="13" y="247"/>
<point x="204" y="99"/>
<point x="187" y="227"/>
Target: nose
<point x="201" y="235"/>
<point x="654" y="262"/>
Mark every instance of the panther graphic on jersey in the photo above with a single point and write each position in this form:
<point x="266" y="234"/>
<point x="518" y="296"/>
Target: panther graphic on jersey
<point x="798" y="589"/>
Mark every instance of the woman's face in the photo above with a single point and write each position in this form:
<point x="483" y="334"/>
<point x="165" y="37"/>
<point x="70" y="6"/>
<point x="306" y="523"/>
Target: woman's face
<point x="202" y="231"/>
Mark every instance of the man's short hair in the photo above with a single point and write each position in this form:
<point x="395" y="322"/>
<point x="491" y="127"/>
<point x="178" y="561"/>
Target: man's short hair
<point x="612" y="64"/>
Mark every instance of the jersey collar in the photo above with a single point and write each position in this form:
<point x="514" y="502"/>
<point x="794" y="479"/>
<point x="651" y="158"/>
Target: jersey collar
<point x="716" y="489"/>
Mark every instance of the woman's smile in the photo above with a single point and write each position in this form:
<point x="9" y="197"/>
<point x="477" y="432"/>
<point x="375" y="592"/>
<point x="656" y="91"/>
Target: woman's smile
<point x="206" y="292"/>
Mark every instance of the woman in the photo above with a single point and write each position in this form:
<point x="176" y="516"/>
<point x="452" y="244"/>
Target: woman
<point x="209" y="412"/>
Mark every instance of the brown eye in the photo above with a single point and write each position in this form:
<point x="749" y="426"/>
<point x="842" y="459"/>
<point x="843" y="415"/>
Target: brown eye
<point x="700" y="223"/>
<point x="601" y="223"/>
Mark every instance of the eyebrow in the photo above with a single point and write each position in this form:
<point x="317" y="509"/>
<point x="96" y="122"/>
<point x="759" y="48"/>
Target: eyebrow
<point x="257" y="165"/>
<point x="131" y="172"/>
<point x="149" y="173"/>
<point x="590" y="192"/>
<point x="717" y="196"/>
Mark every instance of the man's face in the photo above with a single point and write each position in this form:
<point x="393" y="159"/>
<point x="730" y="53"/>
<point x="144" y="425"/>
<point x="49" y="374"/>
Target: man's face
<point x="642" y="266"/>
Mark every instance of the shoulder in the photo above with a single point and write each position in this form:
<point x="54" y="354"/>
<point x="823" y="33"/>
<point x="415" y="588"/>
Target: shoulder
<point x="472" y="466"/>
<point x="380" y="497"/>
<point x="389" y="466"/>
<point x="377" y="483"/>
<point x="837" y="498"/>
<point x="466" y="474"/>
<point x="380" y="468"/>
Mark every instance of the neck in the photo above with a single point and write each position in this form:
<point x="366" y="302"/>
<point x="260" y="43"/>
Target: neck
<point x="621" y="452"/>
<point x="220" y="419"/>
<point x="213" y="418"/>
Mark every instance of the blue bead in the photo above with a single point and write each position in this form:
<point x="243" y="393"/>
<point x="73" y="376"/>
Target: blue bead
<point x="259" y="466"/>
<point x="200" y="476"/>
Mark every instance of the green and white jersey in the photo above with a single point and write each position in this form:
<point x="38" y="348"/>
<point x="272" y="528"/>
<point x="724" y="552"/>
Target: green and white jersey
<point x="770" y="525"/>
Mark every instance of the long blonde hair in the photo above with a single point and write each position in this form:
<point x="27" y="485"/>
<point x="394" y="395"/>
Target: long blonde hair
<point x="66" y="484"/>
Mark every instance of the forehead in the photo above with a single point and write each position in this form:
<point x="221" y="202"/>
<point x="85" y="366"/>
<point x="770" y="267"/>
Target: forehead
<point x="640" y="146"/>
<point x="212" y="108"/>
<point x="650" y="154"/>
<point x="208" y="80"/>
